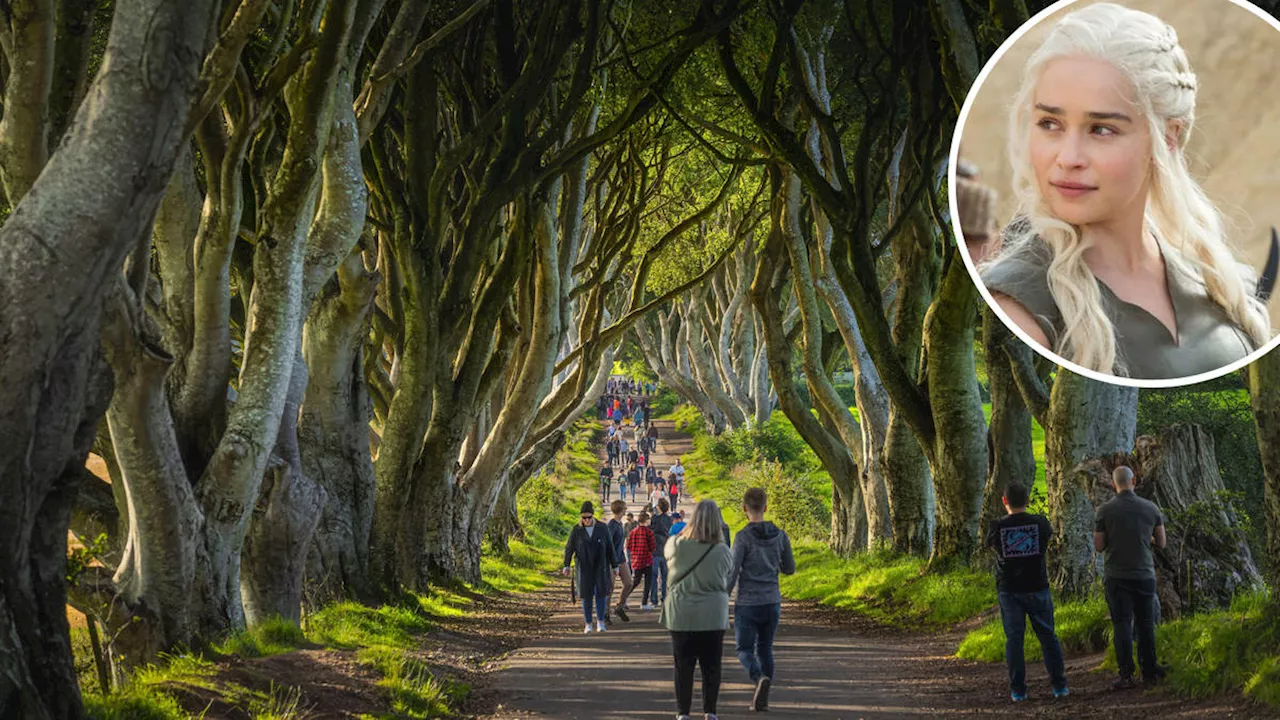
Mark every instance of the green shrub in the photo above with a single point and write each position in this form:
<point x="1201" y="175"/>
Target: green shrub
<point x="686" y="418"/>
<point x="664" y="402"/>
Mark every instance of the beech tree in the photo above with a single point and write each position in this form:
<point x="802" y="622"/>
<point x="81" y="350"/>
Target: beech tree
<point x="72" y="224"/>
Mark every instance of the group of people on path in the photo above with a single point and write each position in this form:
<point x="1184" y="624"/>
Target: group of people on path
<point x="1125" y="529"/>
<point x="629" y="386"/>
<point x="689" y="571"/>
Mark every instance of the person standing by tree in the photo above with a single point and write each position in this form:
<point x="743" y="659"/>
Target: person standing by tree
<point x="761" y="552"/>
<point x="591" y="544"/>
<point x="618" y="536"/>
<point x="641" y="545"/>
<point x="1022" y="586"/>
<point x="696" y="611"/>
<point x="1125" y="528"/>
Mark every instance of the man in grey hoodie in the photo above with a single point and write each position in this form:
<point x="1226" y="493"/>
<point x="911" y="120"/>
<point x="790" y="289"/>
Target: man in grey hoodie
<point x="761" y="550"/>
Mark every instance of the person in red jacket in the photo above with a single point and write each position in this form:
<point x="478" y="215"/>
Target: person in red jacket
<point x="641" y="545"/>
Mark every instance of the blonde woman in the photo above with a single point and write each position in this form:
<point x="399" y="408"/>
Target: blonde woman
<point x="1117" y="260"/>
<point x="696" y="609"/>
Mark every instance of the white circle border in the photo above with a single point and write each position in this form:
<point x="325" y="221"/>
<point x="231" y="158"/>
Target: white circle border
<point x="973" y="271"/>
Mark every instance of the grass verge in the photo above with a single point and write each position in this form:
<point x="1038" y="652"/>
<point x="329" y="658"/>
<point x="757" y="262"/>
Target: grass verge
<point x="383" y="637"/>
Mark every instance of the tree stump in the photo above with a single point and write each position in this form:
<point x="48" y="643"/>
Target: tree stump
<point x="1206" y="560"/>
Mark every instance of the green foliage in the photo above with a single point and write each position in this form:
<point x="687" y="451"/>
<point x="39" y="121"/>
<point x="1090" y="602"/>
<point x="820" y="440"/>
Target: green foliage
<point x="79" y="558"/>
<point x="414" y="691"/>
<point x="273" y="637"/>
<point x="775" y="441"/>
<point x="1222" y="408"/>
<point x="663" y="402"/>
<point x="1082" y="626"/>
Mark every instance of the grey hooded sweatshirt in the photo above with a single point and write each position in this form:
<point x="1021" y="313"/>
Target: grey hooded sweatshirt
<point x="760" y="551"/>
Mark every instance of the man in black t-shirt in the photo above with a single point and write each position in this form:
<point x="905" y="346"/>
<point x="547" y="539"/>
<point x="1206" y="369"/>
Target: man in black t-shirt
<point x="1022" y="585"/>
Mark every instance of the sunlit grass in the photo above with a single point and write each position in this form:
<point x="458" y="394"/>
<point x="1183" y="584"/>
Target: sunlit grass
<point x="414" y="692"/>
<point x="350" y="625"/>
<point x="1081" y="625"/>
<point x="271" y="637"/>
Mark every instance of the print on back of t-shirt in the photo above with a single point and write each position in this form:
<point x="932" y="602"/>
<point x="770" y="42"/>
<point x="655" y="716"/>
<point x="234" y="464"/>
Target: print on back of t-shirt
<point x="1020" y="541"/>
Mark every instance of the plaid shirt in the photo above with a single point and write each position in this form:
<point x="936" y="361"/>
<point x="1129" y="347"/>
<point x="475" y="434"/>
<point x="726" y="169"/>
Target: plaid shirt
<point x="641" y="543"/>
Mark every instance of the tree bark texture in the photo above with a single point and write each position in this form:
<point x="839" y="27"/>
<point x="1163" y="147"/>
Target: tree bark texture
<point x="61" y="247"/>
<point x="1087" y="420"/>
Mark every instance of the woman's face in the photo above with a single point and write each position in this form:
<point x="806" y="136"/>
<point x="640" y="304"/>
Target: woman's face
<point x="1090" y="149"/>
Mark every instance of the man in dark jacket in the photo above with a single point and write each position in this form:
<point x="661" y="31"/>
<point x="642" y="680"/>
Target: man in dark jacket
<point x="591" y="543"/>
<point x="1022" y="586"/>
<point x="618" y="535"/>
<point x="760" y="551"/>
<point x="661" y="526"/>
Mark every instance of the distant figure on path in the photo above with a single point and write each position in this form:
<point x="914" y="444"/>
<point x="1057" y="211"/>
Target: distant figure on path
<point x="606" y="481"/>
<point x="590" y="543"/>
<point x="678" y="524"/>
<point x="761" y="552"/>
<point x="673" y="492"/>
<point x="1022" y="586"/>
<point x="696" y="610"/>
<point x="1125" y="528"/>
<point x="677" y="471"/>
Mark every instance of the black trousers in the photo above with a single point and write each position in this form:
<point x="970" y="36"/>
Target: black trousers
<point x="1132" y="605"/>
<point x="704" y="648"/>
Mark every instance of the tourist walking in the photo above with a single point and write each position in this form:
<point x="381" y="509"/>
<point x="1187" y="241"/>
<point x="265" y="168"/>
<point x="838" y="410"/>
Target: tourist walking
<point x="618" y="536"/>
<point x="606" y="482"/>
<point x="1022" y="587"/>
<point x="641" y="545"/>
<point x="673" y="492"/>
<point x="677" y="472"/>
<point x="696" y="610"/>
<point x="1125" y="528"/>
<point x="661" y="530"/>
<point x="633" y="481"/>
<point x="761" y="552"/>
<point x="590" y="544"/>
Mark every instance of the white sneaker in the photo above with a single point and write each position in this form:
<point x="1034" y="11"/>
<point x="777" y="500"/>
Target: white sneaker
<point x="646" y="606"/>
<point x="587" y="629"/>
<point x="599" y="626"/>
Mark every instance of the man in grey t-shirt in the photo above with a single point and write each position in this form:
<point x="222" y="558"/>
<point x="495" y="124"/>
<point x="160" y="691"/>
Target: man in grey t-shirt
<point x="1125" y="528"/>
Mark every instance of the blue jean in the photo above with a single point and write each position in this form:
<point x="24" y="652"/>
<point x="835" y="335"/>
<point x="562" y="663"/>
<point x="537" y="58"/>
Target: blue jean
<point x="602" y="602"/>
<point x="1015" y="609"/>
<point x="754" y="627"/>
<point x="659" y="592"/>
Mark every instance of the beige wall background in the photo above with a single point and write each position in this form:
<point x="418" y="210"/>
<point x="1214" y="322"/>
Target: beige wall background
<point x="1235" y="145"/>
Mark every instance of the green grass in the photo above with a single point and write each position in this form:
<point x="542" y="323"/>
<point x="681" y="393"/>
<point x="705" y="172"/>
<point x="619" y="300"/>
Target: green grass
<point x="351" y="625"/>
<point x="275" y="636"/>
<point x="1082" y="626"/>
<point x="413" y="690"/>
<point x="1234" y="650"/>
<point x="134" y="703"/>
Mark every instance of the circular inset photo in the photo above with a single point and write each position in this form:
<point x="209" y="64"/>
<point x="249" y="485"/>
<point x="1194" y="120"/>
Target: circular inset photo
<point x="1115" y="178"/>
